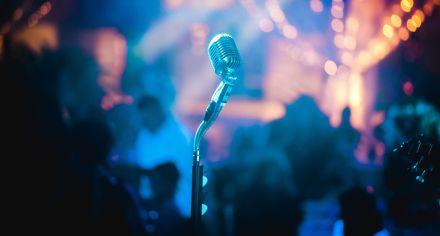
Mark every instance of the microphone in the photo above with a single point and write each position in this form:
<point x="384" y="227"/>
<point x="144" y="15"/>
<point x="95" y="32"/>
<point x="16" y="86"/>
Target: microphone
<point x="225" y="61"/>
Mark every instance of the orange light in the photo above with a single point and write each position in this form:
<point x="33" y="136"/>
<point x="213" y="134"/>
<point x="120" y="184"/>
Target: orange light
<point x="427" y="8"/>
<point x="420" y="14"/>
<point x="316" y="5"/>
<point x="388" y="31"/>
<point x="403" y="34"/>
<point x="330" y="67"/>
<point x="265" y="25"/>
<point x="411" y="25"/>
<point x="396" y="21"/>
<point x="290" y="31"/>
<point x="337" y="25"/>
<point x="406" y="5"/>
<point x="417" y="20"/>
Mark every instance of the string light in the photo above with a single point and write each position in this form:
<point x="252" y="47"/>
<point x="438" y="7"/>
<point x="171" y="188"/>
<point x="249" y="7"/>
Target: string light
<point x="316" y="6"/>
<point x="396" y="21"/>
<point x="406" y="5"/>
<point x="403" y="34"/>
<point x="330" y="67"/>
<point x="337" y="25"/>
<point x="411" y="25"/>
<point x="388" y="31"/>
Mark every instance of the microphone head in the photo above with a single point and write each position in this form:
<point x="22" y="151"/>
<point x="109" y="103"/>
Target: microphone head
<point x="224" y="57"/>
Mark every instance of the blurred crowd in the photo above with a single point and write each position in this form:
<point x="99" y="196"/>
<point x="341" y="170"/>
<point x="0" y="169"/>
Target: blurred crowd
<point x="79" y="168"/>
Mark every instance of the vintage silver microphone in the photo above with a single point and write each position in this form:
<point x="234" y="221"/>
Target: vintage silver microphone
<point x="225" y="61"/>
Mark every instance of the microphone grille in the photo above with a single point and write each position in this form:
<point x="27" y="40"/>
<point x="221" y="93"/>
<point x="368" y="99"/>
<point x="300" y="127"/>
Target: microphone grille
<point x="224" y="56"/>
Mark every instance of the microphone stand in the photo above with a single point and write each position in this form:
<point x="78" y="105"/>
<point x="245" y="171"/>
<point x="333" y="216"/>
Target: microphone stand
<point x="218" y="101"/>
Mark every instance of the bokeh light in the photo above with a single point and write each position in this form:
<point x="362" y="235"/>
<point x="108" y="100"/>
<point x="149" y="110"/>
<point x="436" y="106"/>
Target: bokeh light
<point x="411" y="25"/>
<point x="266" y="25"/>
<point x="330" y="67"/>
<point x="406" y="5"/>
<point x="408" y="88"/>
<point x="337" y="25"/>
<point x="403" y="34"/>
<point x="388" y="31"/>
<point x="396" y="21"/>
<point x="316" y="6"/>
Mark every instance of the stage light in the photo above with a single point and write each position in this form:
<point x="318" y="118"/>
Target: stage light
<point x="396" y="21"/>
<point x="330" y="67"/>
<point x="403" y="34"/>
<point x="388" y="31"/>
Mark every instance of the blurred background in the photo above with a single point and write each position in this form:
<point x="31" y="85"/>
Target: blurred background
<point x="102" y="99"/>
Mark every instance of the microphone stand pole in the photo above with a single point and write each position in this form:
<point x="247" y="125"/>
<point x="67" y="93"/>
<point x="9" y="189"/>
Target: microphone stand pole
<point x="218" y="101"/>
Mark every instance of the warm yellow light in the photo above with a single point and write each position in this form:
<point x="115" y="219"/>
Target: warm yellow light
<point x="363" y="58"/>
<point x="330" y="67"/>
<point x="290" y="31"/>
<point x="417" y="20"/>
<point x="388" y="31"/>
<point x="411" y="25"/>
<point x="337" y="25"/>
<point x="396" y="21"/>
<point x="406" y="5"/>
<point x="403" y="34"/>
<point x="380" y="49"/>
<point x="355" y="94"/>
